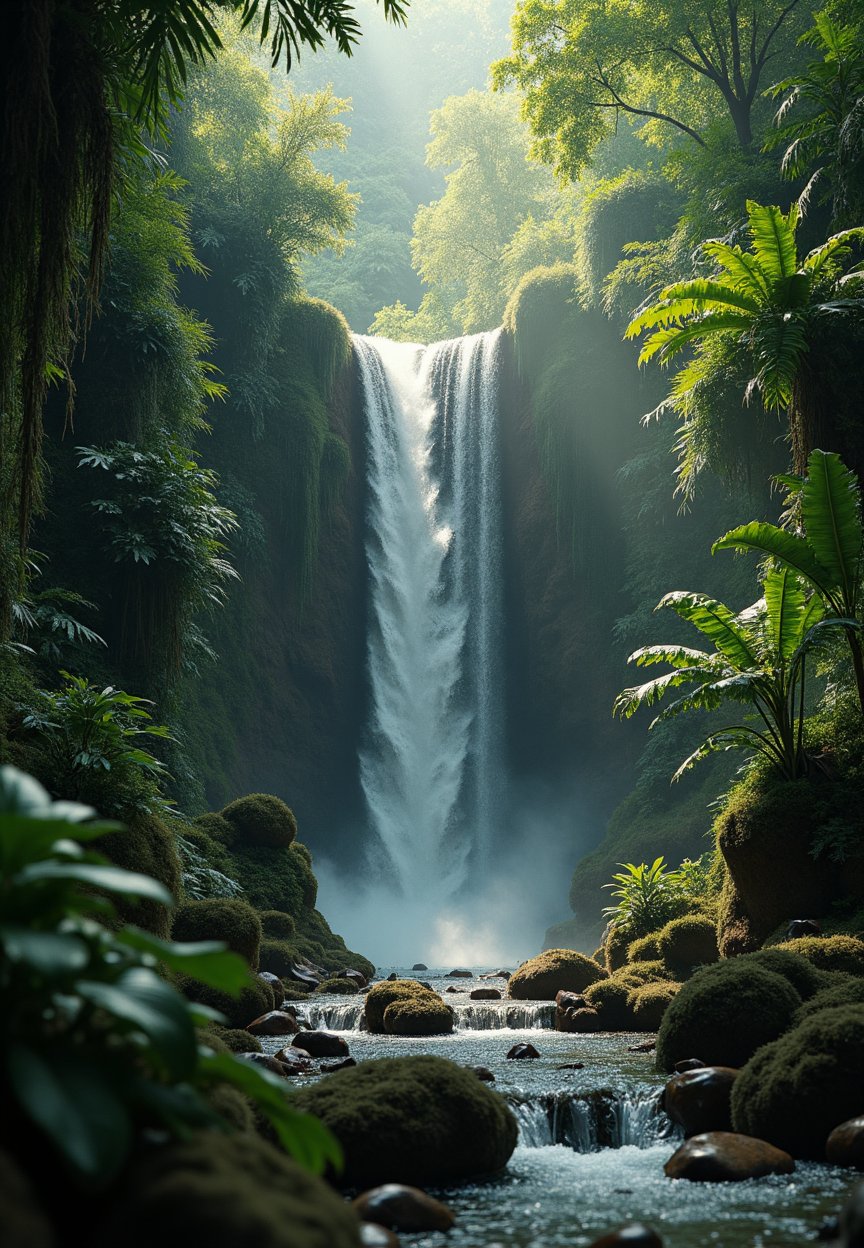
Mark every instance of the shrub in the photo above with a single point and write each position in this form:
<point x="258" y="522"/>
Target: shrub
<point x="801" y="974"/>
<point x="425" y="1015"/>
<point x="724" y="1013"/>
<point x="795" y="1091"/>
<point x="609" y="998"/>
<point x="147" y="846"/>
<point x="648" y="1004"/>
<point x="829" y="953"/>
<point x="688" y="942"/>
<point x="337" y="986"/>
<point x="278" y="924"/>
<point x="373" y="1110"/>
<point x="645" y="948"/>
<point x="541" y="978"/>
<point x="221" y="918"/>
<point x="261" y="819"/>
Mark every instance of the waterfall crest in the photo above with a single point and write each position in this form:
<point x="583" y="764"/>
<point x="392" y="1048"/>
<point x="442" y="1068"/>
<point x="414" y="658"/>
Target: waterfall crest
<point x="431" y="764"/>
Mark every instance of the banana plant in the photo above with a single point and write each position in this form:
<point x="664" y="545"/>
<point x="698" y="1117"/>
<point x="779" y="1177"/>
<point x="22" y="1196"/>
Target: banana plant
<point x="826" y="553"/>
<point x="758" y="659"/>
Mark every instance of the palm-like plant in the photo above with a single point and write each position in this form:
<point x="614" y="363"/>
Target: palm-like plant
<point x="758" y="659"/>
<point x="828" y="550"/>
<point x="647" y="896"/>
<point x="759" y="312"/>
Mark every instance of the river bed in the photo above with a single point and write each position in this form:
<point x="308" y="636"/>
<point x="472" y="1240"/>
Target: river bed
<point x="592" y="1142"/>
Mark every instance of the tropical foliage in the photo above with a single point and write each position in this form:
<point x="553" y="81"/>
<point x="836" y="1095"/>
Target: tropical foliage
<point x="757" y="316"/>
<point x="649" y="896"/>
<point x="97" y="1046"/>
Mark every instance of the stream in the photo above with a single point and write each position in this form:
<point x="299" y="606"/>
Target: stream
<point x="592" y="1142"/>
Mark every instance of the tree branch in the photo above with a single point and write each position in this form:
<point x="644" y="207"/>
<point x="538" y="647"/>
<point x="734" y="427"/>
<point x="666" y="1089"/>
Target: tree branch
<point x="618" y="101"/>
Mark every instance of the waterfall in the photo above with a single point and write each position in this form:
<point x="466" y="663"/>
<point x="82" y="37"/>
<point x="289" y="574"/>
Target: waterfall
<point x="431" y="764"/>
<point x="470" y="1016"/>
<point x="590" y="1121"/>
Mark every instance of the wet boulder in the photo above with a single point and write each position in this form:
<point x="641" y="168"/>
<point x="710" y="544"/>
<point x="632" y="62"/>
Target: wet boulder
<point x="725" y="1157"/>
<point x="356" y="977"/>
<point x="460" y="974"/>
<point x="321" y="1044"/>
<point x="296" y="1060"/>
<point x="803" y="927"/>
<point x="419" y="966"/>
<point x="483" y="1073"/>
<point x="578" y="1021"/>
<point x="404" y="1007"/>
<point x="272" y="1064"/>
<point x="700" y="1100"/>
<point x="342" y="1063"/>
<point x="374" y="1236"/>
<point x="845" y="1145"/>
<point x="543" y="977"/>
<point x="273" y="1023"/>
<point x="403" y="1208"/>
<point x="636" y="1235"/>
<point x="520" y="1052"/>
<point x="417" y="1120"/>
<point x="485" y="994"/>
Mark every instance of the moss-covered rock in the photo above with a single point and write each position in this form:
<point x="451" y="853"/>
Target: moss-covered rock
<point x="330" y="987"/>
<point x="148" y="846"/>
<point x="802" y="975"/>
<point x="649" y="1002"/>
<point x="261" y="819"/>
<point x="213" y="825"/>
<point x="724" y="1013"/>
<point x="278" y="957"/>
<point x="829" y="953"/>
<point x="615" y="946"/>
<point x="609" y="998"/>
<point x="635" y="974"/>
<point x="736" y="931"/>
<point x="278" y="924"/>
<point x="837" y="989"/>
<point x="644" y="948"/>
<point x="426" y="1015"/>
<point x="420" y="1120"/>
<point x="688" y="942"/>
<point x="543" y="977"/>
<point x="237" y="1039"/>
<point x="795" y="1091"/>
<point x="385" y="993"/>
<point x="232" y="1189"/>
<point x="255" y="999"/>
<point x="221" y="918"/>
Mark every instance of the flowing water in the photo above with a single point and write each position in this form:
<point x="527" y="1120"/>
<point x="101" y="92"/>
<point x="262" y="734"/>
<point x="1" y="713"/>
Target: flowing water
<point x="592" y="1141"/>
<point x="431" y="766"/>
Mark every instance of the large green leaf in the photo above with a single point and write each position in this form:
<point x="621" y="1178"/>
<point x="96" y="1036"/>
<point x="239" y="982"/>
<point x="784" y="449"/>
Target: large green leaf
<point x="69" y="1097"/>
<point x="207" y="961"/>
<point x="26" y="839"/>
<point x="773" y="235"/>
<point x="140" y="998"/>
<point x="716" y="622"/>
<point x="111" y="879"/>
<point x="786" y="604"/>
<point x="630" y="700"/>
<point x="48" y="953"/>
<point x="831" y="515"/>
<point x="676" y="656"/>
<point x="780" y="544"/>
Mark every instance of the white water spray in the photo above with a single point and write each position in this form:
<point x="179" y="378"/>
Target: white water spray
<point x="431" y="766"/>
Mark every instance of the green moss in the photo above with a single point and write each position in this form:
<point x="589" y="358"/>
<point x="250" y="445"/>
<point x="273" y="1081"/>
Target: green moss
<point x="277" y="956"/>
<point x="425" y="1015"/>
<point x="724" y="1013"/>
<point x="649" y="1002"/>
<point x="837" y="989"/>
<point x="278" y="924"/>
<point x="231" y="1105"/>
<point x="383" y="994"/>
<point x="237" y="1039"/>
<point x="221" y="918"/>
<point x="615" y="947"/>
<point x="801" y="974"/>
<point x="330" y="986"/>
<point x="638" y="973"/>
<point x="233" y="1189"/>
<point x="688" y="942"/>
<point x="645" y="948"/>
<point x="829" y="953"/>
<point x="148" y="846"/>
<point x="260" y="819"/>
<point x="795" y="1091"/>
<point x="609" y="998"/>
<point x="214" y="826"/>
<point x="736" y="933"/>
<point x="295" y="994"/>
<point x="419" y="1120"/>
<point x="255" y="999"/>
<point x="540" y="978"/>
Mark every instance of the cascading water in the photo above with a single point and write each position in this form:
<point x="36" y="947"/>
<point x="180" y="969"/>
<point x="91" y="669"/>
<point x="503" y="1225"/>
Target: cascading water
<point x="431" y="766"/>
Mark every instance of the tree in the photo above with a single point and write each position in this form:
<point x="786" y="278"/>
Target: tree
<point x="82" y="85"/>
<point x="761" y="313"/>
<point x="581" y="64"/>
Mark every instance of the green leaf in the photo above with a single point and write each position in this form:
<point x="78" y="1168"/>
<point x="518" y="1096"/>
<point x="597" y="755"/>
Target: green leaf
<point x="780" y="544"/>
<point x="70" y="1099"/>
<point x="716" y="622"/>
<point x="773" y="237"/>
<point x="111" y="879"/>
<point x="139" y="997"/>
<point x="207" y="961"/>
<point x="786" y="602"/>
<point x="831" y="515"/>
<point x="48" y="953"/>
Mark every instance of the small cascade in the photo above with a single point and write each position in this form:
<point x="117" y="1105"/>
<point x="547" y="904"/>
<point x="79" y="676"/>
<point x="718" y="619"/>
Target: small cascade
<point x="590" y="1121"/>
<point x="334" y="1016"/>
<point x="501" y="1015"/>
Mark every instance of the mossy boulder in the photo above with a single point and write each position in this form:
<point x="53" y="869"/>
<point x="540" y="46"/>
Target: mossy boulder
<point x="255" y="999"/>
<point x="829" y="953"/>
<point x="724" y="1013"/>
<point x="688" y="942"/>
<point x="615" y="948"/>
<point x="221" y="918"/>
<point x="277" y="956"/>
<point x="278" y="924"/>
<point x="736" y="931"/>
<point x="635" y="974"/>
<point x="225" y="1190"/>
<point x="543" y="977"/>
<point x="260" y="819"/>
<point x="237" y="1039"/>
<point x="649" y="1002"/>
<point x="795" y="1091"/>
<point x="837" y="989"/>
<point x="381" y="995"/>
<point x="802" y="975"/>
<point x="215" y="827"/>
<point x="332" y="987"/>
<point x="609" y="998"/>
<point x="426" y="1015"/>
<point x="644" y="948"/>
<point x="418" y="1120"/>
<point x="146" y="845"/>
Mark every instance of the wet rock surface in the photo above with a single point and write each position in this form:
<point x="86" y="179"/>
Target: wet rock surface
<point x="520" y="1052"/>
<point x="295" y="1059"/>
<point x="636" y="1235"/>
<point x="700" y="1099"/>
<point x="485" y="994"/>
<point x="374" y="1236"/>
<point x="321" y="1044"/>
<point x="400" y="1207"/>
<point x="726" y="1157"/>
<point x="330" y="1068"/>
<point x="273" y="1023"/>
<point x="845" y="1146"/>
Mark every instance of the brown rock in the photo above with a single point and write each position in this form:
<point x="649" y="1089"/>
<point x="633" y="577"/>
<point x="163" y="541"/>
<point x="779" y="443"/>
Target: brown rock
<point x="699" y="1100"/>
<point x="496" y="975"/>
<point x="374" y="1236"/>
<point x="419" y="966"/>
<point x="725" y="1157"/>
<point x="582" y="1020"/>
<point x="452" y="989"/>
<point x="845" y="1145"/>
<point x="485" y="994"/>
<point x="483" y="1073"/>
<point x="328" y="1068"/>
<point x="636" y="1235"/>
<point x="459" y="975"/>
<point x="273" y="980"/>
<point x="521" y="1051"/>
<point x="571" y="1066"/>
<point x="321" y="1044"/>
<point x="803" y="927"/>
<point x="403" y="1208"/>
<point x="688" y="1063"/>
<point x="273" y="1064"/>
<point x="646" y="1046"/>
<point x="570" y="1000"/>
<point x="296" y="1060"/>
<point x="273" y="1023"/>
<point x="357" y="977"/>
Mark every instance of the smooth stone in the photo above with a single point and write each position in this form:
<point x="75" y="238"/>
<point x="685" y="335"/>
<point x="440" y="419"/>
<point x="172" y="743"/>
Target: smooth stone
<point x="295" y="1060"/>
<point x="483" y="1073"/>
<point x="304" y="976"/>
<point x="485" y="994"/>
<point x="374" y="1236"/>
<point x="392" y="977"/>
<point x="328" y="1068"/>
<point x="726" y="1157"/>
<point x="582" y="1020"/>
<point x="419" y="966"/>
<point x="497" y="975"/>
<point x="700" y="1100"/>
<point x="803" y="927"/>
<point x="273" y="1023"/>
<point x="356" y="977"/>
<point x="269" y="978"/>
<point x="403" y="1208"/>
<point x="273" y="1064"/>
<point x="647" y="1046"/>
<point x="845" y="1145"/>
<point x="321" y="1044"/>
<point x="688" y="1063"/>
<point x="565" y="1000"/>
<point x="459" y="975"/>
<point x="636" y="1235"/>
<point x="521" y="1051"/>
